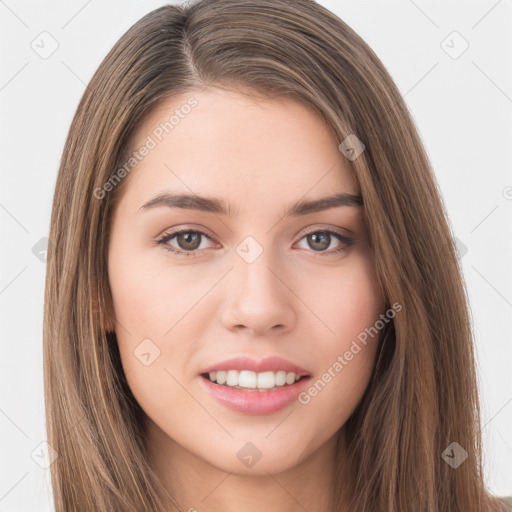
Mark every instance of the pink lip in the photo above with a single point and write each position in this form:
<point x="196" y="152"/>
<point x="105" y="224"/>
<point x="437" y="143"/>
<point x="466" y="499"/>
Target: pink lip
<point x="273" y="364"/>
<point x="256" y="403"/>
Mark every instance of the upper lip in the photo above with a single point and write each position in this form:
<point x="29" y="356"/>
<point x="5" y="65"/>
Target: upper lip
<point x="273" y="363"/>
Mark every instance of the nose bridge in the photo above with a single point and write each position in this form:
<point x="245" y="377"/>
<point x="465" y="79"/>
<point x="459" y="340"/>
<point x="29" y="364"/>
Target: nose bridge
<point x="255" y="272"/>
<point x="257" y="296"/>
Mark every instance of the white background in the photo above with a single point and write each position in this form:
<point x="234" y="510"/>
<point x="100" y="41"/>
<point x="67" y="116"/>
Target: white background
<point x="462" y="108"/>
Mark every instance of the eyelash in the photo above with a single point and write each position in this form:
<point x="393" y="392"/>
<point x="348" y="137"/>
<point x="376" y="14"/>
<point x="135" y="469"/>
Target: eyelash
<point x="346" y="241"/>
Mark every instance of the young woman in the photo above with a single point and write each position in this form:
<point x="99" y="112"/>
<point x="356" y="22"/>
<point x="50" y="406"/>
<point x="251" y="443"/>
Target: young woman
<point x="253" y="299"/>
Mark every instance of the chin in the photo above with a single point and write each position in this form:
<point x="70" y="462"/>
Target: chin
<point x="258" y="455"/>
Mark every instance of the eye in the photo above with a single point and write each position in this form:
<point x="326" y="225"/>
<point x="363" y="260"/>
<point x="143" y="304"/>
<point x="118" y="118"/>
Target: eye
<point x="320" y="240"/>
<point x="188" y="241"/>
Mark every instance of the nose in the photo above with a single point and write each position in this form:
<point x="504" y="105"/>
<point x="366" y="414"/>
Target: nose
<point x="259" y="298"/>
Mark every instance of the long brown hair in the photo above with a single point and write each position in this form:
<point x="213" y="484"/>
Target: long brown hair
<point x="423" y="394"/>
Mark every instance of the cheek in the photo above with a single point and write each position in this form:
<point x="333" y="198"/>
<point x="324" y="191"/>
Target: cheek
<point x="152" y="307"/>
<point x="151" y="297"/>
<point x="351" y="307"/>
<point x="346" y="301"/>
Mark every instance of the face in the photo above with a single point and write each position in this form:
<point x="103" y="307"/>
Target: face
<point x="256" y="287"/>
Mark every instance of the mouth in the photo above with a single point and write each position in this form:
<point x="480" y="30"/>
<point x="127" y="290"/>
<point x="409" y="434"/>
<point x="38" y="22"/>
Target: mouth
<point x="255" y="387"/>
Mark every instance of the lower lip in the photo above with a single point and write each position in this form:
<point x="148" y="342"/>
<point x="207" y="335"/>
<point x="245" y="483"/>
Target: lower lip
<point x="255" y="402"/>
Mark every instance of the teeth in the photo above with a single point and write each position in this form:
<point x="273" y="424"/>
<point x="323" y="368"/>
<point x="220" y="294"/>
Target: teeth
<point x="266" y="380"/>
<point x="280" y="378"/>
<point x="232" y="378"/>
<point x="246" y="379"/>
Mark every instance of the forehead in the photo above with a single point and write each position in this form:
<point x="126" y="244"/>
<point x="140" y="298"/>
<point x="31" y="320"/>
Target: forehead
<point x="247" y="149"/>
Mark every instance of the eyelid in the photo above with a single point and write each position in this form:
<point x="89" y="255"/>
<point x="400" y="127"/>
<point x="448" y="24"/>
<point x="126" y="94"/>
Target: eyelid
<point x="319" y="227"/>
<point x="209" y="234"/>
<point x="187" y="227"/>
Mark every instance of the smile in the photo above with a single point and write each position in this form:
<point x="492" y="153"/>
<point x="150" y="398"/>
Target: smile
<point x="255" y="387"/>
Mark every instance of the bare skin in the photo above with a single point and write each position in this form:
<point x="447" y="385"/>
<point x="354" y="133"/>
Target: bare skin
<point x="299" y="299"/>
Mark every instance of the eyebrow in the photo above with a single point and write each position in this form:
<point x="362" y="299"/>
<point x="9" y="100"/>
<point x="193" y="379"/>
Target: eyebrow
<point x="218" y="206"/>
